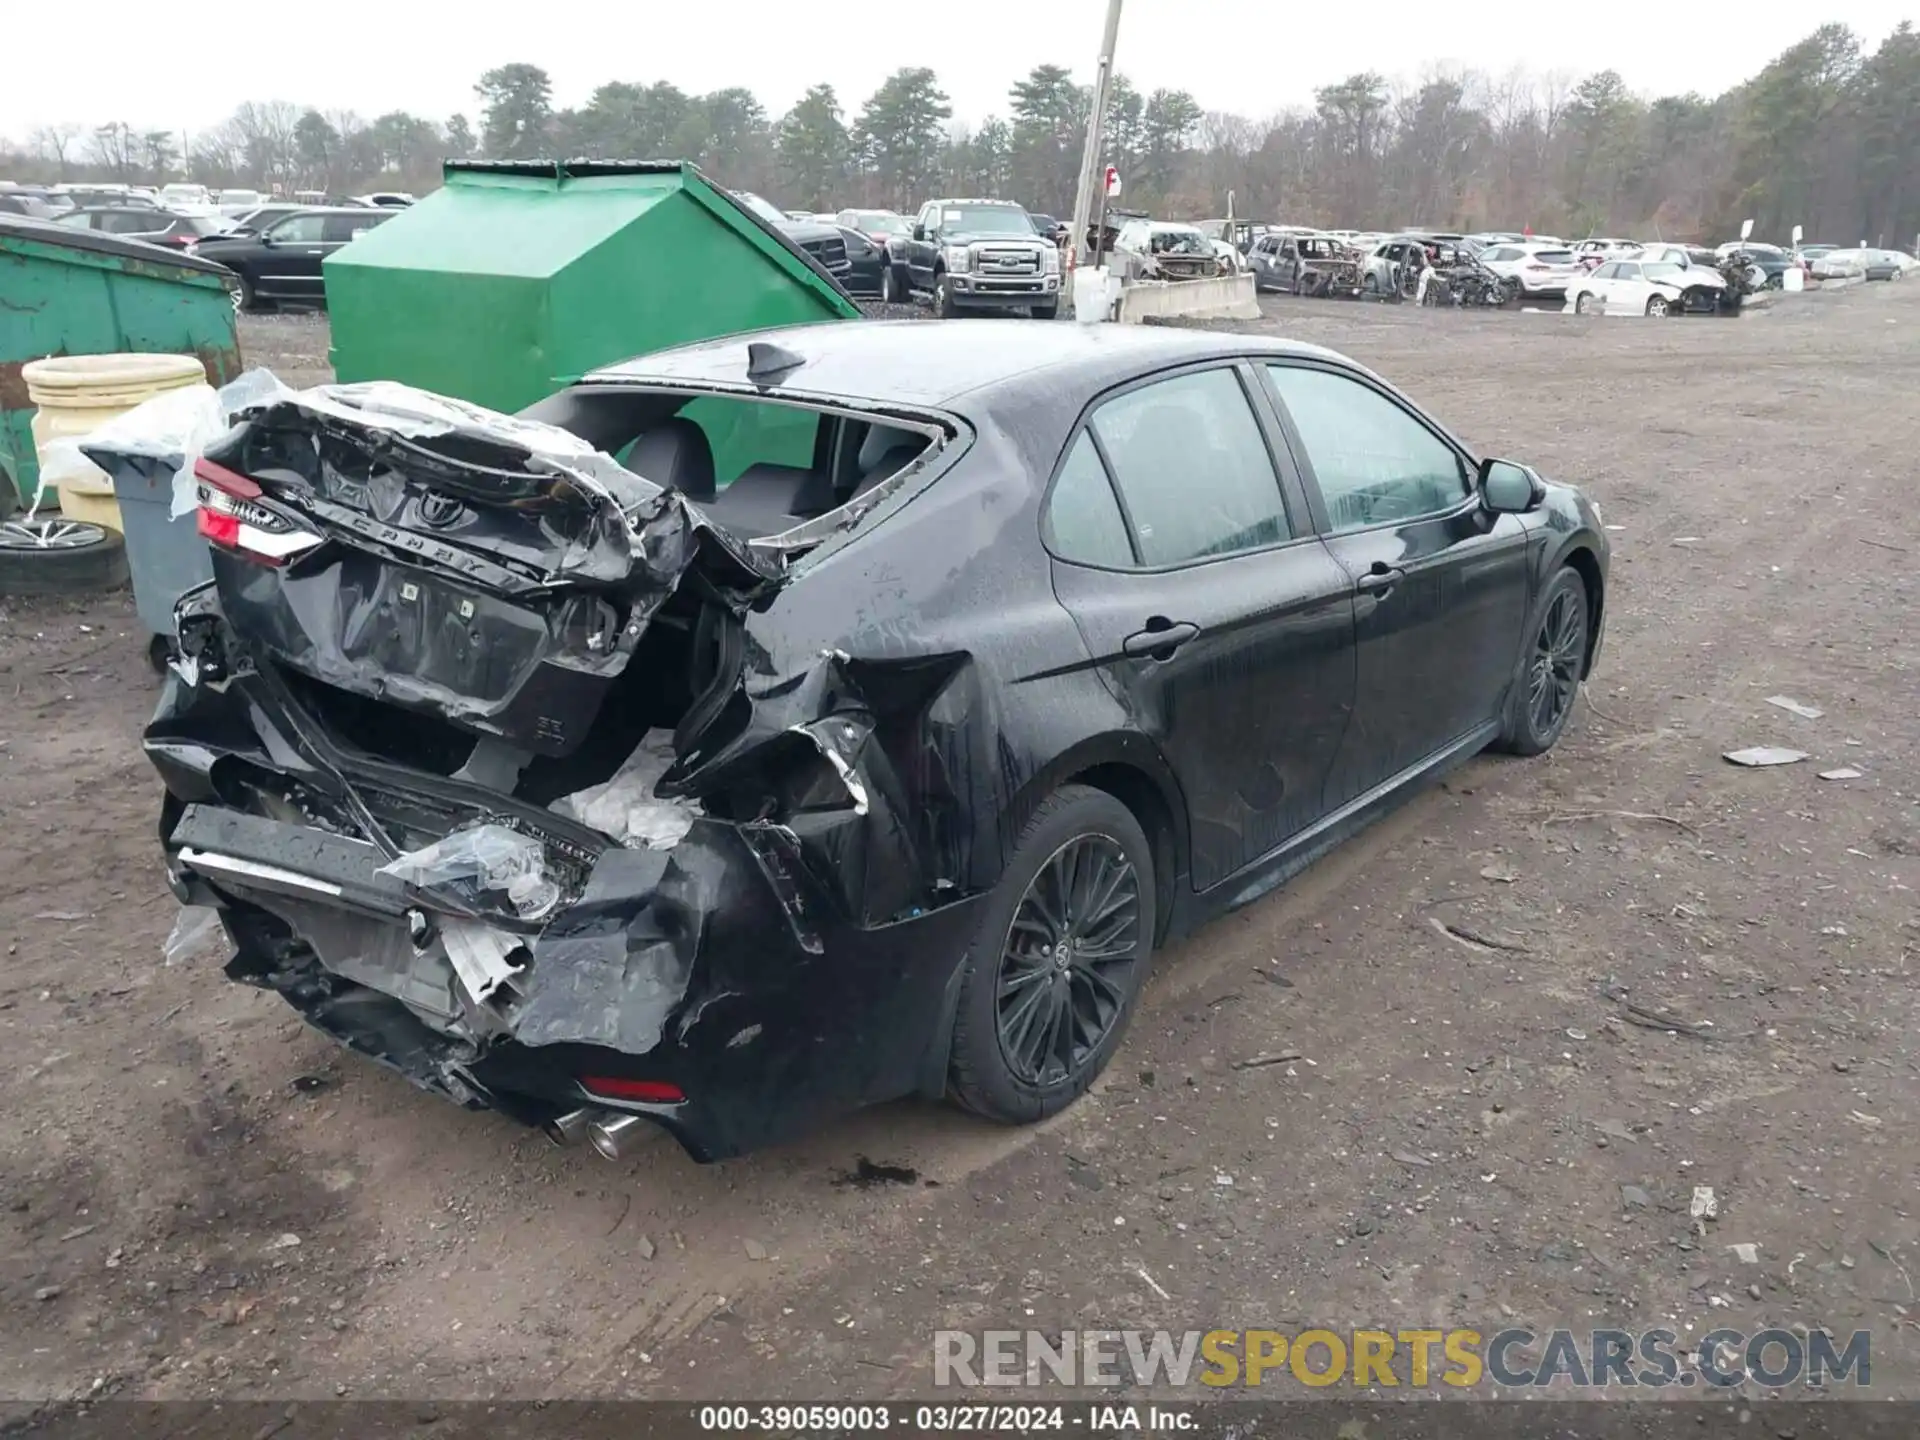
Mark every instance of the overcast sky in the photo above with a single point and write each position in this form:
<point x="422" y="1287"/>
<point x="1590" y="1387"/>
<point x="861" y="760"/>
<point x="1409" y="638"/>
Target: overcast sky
<point x="186" y="71"/>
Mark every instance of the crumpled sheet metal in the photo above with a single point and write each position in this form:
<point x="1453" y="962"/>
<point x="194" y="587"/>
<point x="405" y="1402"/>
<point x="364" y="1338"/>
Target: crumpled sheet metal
<point x="602" y="542"/>
<point x="404" y="410"/>
<point x="615" y="967"/>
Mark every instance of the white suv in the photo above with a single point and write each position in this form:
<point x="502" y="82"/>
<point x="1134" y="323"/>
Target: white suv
<point x="1544" y="271"/>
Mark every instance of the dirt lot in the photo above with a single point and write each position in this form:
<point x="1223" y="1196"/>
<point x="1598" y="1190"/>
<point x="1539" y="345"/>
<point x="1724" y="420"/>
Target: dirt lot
<point x="198" y="1197"/>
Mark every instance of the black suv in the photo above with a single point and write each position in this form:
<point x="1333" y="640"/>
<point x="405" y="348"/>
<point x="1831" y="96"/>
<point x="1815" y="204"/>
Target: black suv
<point x="280" y="263"/>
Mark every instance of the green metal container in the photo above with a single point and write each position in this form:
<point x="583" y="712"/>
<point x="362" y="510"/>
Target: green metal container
<point x="515" y="279"/>
<point x="65" y="291"/>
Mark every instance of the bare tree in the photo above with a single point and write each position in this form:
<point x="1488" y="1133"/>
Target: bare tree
<point x="54" y="145"/>
<point x="113" y="147"/>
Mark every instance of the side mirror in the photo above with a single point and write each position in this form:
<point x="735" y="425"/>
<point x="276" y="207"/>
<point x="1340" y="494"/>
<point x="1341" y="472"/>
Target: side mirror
<point x="265" y="237"/>
<point x="920" y="232"/>
<point x="1509" y="489"/>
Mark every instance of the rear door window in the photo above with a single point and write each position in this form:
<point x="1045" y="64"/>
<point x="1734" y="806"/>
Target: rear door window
<point x="1192" y="469"/>
<point x="1084" y="523"/>
<point x="300" y="230"/>
<point x="341" y="228"/>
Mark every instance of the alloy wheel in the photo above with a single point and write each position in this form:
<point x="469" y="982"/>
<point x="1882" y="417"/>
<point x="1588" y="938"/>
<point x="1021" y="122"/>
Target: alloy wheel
<point x="1066" y="966"/>
<point x="49" y="533"/>
<point x="1555" y="673"/>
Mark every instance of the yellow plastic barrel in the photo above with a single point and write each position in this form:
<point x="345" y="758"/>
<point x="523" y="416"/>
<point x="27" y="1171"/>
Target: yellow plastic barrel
<point x="76" y="394"/>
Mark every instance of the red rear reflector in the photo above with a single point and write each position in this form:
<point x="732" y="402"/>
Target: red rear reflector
<point x="652" y="1092"/>
<point x="231" y="481"/>
<point x="220" y="529"/>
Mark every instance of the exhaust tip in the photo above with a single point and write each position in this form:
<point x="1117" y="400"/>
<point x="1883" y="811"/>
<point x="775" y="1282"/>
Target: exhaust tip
<point x="616" y="1135"/>
<point x="568" y="1129"/>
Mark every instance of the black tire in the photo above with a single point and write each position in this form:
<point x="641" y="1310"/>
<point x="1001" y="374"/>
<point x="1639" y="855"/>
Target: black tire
<point x="893" y="287"/>
<point x="97" y="562"/>
<point x="157" y="648"/>
<point x="1657" y="307"/>
<point x="246" y="300"/>
<point x="1046" y="312"/>
<point x="1580" y="303"/>
<point x="1073" y="828"/>
<point x="1556" y="651"/>
<point x="943" y="305"/>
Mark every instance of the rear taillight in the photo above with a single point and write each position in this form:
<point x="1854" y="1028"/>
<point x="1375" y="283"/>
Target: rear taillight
<point x="646" y="1092"/>
<point x="231" y="517"/>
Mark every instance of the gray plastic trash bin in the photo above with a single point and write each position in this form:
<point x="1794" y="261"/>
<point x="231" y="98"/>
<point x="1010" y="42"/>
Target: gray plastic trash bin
<point x="166" y="557"/>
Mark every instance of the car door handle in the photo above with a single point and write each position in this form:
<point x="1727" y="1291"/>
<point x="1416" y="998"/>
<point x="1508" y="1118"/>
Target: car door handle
<point x="1380" y="578"/>
<point x="1160" y="639"/>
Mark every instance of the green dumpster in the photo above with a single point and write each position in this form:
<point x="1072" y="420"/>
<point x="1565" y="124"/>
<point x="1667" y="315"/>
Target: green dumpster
<point x="515" y="279"/>
<point x="65" y="291"/>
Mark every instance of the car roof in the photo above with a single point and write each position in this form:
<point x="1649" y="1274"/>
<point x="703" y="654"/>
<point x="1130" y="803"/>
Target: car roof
<point x="916" y="363"/>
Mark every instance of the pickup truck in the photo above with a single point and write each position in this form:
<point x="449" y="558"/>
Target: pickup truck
<point x="982" y="255"/>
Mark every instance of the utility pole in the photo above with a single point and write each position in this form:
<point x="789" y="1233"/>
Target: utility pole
<point x="1090" y="168"/>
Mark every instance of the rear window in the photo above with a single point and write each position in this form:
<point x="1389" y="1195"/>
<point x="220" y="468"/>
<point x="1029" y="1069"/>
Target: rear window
<point x="1554" y="257"/>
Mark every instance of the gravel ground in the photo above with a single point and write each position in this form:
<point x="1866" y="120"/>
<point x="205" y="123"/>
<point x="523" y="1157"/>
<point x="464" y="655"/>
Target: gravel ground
<point x="199" y="1198"/>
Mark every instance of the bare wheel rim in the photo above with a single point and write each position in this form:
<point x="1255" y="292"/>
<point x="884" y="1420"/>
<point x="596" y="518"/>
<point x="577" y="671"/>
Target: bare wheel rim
<point x="52" y="533"/>
<point x="1066" y="966"/>
<point x="1555" y="673"/>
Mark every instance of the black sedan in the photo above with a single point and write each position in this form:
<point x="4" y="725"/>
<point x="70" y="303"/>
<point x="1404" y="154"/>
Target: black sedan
<point x="1011" y="654"/>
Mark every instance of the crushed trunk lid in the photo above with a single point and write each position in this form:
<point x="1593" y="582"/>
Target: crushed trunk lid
<point x="497" y="573"/>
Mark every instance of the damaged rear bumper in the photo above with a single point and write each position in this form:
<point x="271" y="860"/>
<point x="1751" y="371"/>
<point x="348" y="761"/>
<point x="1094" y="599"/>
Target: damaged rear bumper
<point x="720" y="987"/>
